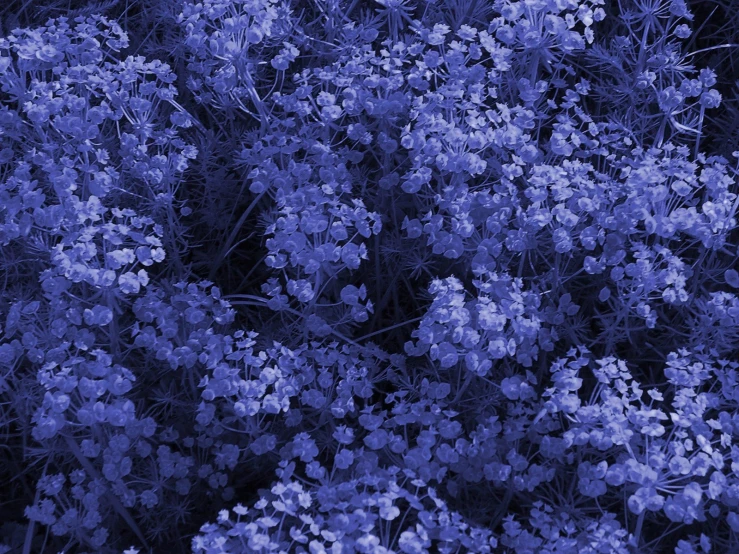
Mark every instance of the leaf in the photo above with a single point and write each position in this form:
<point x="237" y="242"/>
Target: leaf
<point x="31" y="307"/>
<point x="732" y="278"/>
<point x="14" y="316"/>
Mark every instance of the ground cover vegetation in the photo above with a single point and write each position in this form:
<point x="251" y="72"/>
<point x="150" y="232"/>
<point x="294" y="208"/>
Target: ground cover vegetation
<point x="388" y="276"/>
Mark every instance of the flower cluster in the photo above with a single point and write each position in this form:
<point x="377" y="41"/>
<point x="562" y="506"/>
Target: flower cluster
<point x="225" y="41"/>
<point x="390" y="511"/>
<point x="332" y="277"/>
<point x="502" y="321"/>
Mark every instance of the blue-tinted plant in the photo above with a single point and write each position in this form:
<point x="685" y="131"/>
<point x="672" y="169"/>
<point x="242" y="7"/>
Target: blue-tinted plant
<point x="400" y="276"/>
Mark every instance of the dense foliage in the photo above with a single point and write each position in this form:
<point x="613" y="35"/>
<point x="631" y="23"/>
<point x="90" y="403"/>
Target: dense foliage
<point x="388" y="276"/>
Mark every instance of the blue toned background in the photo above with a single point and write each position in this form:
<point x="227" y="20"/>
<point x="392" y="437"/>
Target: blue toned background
<point x="387" y="276"/>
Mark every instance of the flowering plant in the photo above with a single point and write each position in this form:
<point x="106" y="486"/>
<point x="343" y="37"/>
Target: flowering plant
<point x="388" y="277"/>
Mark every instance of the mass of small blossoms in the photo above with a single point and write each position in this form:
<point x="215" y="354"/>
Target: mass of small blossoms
<point x="384" y="277"/>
